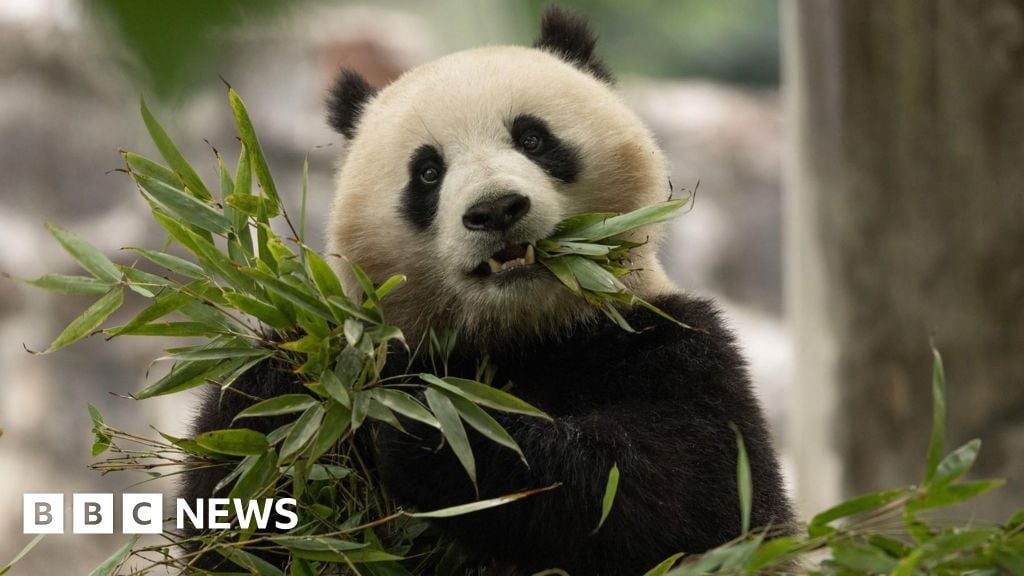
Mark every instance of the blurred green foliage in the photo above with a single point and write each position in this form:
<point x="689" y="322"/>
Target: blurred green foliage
<point x="730" y="40"/>
<point x="172" y="46"/>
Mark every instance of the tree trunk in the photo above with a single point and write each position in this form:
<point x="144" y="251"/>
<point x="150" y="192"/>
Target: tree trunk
<point x="906" y="223"/>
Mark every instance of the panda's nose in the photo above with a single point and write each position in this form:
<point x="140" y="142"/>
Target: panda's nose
<point x="497" y="214"/>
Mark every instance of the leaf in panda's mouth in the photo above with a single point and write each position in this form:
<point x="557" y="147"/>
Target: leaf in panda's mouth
<point x="586" y="256"/>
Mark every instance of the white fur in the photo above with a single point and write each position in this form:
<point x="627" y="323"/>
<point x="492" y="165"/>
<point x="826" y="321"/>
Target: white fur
<point x="463" y="105"/>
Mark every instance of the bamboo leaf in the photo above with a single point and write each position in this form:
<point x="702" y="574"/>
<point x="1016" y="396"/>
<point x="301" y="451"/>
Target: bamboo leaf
<point x="65" y="284"/>
<point x="451" y="428"/>
<point x="485" y="395"/>
<point x="284" y="404"/>
<point x="938" y="437"/>
<point x="251" y="562"/>
<point x="743" y="480"/>
<point x="252" y="145"/>
<point x="22" y="553"/>
<point x="172" y="263"/>
<point x="956" y="464"/>
<point x="591" y="276"/>
<point x="405" y="405"/>
<point x="484" y="423"/>
<point x="173" y="156"/>
<point x="184" y="205"/>
<point x="615" y="225"/>
<point x="87" y="255"/>
<point x="858" y="505"/>
<point x="234" y="442"/>
<point x="90" y="320"/>
<point x="610" y="490"/>
<point x="111" y="564"/>
<point x="480" y="504"/>
<point x="303" y="431"/>
<point x="161" y="306"/>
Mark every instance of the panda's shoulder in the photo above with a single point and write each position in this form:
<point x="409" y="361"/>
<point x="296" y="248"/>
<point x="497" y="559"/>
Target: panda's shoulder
<point x="685" y="334"/>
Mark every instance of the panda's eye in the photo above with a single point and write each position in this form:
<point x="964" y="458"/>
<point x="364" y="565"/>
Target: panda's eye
<point x="430" y="174"/>
<point x="531" y="141"/>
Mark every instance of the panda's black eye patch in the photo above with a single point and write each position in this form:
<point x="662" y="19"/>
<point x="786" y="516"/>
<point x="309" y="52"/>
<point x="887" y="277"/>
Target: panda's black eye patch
<point x="419" y="199"/>
<point x="534" y="139"/>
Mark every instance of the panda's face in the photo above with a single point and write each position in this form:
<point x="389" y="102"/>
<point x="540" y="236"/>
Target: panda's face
<point x="460" y="166"/>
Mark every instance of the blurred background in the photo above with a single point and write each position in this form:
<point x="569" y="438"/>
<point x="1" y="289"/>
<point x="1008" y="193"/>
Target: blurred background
<point x="861" y="169"/>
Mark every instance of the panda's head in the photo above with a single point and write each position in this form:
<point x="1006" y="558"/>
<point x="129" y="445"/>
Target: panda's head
<point x="455" y="169"/>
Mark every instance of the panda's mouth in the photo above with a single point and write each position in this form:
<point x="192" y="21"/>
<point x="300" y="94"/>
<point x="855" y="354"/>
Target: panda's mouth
<point x="512" y="256"/>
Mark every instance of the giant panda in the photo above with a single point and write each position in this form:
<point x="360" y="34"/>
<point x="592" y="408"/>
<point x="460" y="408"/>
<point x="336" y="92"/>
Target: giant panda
<point x="451" y="173"/>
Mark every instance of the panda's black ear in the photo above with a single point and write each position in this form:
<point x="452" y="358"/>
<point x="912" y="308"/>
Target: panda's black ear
<point x="569" y="36"/>
<point x="346" y="100"/>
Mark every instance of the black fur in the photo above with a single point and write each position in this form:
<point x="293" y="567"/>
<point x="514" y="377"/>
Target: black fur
<point x="559" y="159"/>
<point x="658" y="404"/>
<point x="346" y="100"/>
<point x="569" y="36"/>
<point x="419" y="199"/>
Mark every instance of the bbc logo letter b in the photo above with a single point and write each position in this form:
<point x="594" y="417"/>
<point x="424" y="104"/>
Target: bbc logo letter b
<point x="42" y="513"/>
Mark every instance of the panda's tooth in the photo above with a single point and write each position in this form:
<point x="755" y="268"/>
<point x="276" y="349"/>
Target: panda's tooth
<point x="494" y="264"/>
<point x="529" y="259"/>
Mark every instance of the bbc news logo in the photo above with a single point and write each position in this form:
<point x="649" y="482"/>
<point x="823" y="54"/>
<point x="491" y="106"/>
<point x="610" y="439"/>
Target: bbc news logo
<point x="143" y="513"/>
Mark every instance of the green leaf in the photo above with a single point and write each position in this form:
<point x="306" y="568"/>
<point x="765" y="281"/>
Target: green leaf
<point x="611" y="488"/>
<point x="261" y="473"/>
<point x="336" y="422"/>
<point x="665" y="565"/>
<point x="142" y="165"/>
<point x="319" y="544"/>
<point x="171" y="329"/>
<point x="161" y="306"/>
<point x="185" y="206"/>
<point x="608" y="227"/>
<point x="335" y="388"/>
<point x="87" y="255"/>
<point x="64" y="284"/>
<point x="90" y="320"/>
<point x="303" y="431"/>
<point x="862" y="559"/>
<point x="234" y="442"/>
<point x="111" y="564"/>
<point x="591" y="276"/>
<point x="389" y="285"/>
<point x="284" y="404"/>
<point x="485" y="395"/>
<point x="173" y="156"/>
<point x="324" y="278"/>
<point x="208" y="254"/>
<point x="369" y="292"/>
<point x="956" y="464"/>
<point x="948" y="495"/>
<point x="259" y="162"/>
<point x="480" y="504"/>
<point x="858" y="505"/>
<point x="254" y="564"/>
<point x="743" y="480"/>
<point x="451" y="428"/>
<point x="560" y="269"/>
<point x="172" y="263"/>
<point x="774" y="552"/>
<point x="938" y="437"/>
<point x="484" y="423"/>
<point x="405" y="404"/>
<point x="303" y="300"/>
<point x="207" y="352"/>
<point x="101" y="438"/>
<point x="182" y="376"/>
<point x="260" y="310"/>
<point x="21" y="554"/>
